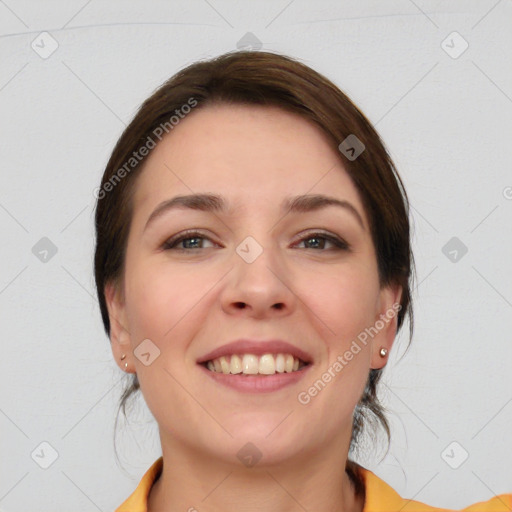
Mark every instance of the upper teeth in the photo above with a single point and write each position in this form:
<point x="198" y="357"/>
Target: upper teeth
<point x="250" y="364"/>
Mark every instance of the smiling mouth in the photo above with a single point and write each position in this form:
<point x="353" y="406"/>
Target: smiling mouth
<point x="251" y="364"/>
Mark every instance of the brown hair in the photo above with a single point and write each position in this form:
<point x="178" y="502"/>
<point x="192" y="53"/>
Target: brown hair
<point x="265" y="78"/>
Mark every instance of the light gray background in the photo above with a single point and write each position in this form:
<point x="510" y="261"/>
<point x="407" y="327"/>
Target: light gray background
<point x="447" y="123"/>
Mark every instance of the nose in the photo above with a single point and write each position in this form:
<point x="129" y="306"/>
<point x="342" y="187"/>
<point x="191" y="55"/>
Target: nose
<point x="258" y="289"/>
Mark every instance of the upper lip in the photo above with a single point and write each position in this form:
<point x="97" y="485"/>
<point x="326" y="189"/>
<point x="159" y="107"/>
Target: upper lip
<point x="248" y="346"/>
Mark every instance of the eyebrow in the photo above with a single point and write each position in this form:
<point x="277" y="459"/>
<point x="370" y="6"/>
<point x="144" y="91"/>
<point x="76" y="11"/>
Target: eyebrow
<point x="215" y="203"/>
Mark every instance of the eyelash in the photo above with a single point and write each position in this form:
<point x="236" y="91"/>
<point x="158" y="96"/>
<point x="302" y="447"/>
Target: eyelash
<point x="171" y="243"/>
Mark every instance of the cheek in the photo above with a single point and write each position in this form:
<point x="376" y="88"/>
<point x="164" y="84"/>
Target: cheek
<point x="160" y="299"/>
<point x="344" y="305"/>
<point x="344" y="301"/>
<point x="160" y="308"/>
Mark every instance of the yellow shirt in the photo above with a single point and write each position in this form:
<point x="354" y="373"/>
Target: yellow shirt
<point x="380" y="497"/>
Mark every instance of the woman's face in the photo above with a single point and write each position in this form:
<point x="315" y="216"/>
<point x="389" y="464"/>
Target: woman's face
<point x="217" y="286"/>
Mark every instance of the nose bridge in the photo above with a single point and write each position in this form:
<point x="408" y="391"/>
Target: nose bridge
<point x="258" y="281"/>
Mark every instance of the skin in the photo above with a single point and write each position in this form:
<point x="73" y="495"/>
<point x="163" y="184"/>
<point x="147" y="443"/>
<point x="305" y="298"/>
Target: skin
<point x="188" y="303"/>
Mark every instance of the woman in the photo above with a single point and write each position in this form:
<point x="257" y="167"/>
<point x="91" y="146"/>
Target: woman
<point x="253" y="267"/>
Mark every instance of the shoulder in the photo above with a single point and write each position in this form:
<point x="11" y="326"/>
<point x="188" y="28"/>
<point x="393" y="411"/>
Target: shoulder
<point x="380" y="497"/>
<point x="137" y="501"/>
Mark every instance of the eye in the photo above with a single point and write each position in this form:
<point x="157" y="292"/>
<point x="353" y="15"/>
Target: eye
<point x="192" y="240"/>
<point x="320" y="239"/>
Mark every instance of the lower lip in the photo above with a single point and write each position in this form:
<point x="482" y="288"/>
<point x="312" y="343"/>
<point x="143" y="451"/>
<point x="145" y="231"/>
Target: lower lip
<point x="257" y="383"/>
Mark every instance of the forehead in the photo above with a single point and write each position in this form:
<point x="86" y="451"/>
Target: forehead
<point x="246" y="153"/>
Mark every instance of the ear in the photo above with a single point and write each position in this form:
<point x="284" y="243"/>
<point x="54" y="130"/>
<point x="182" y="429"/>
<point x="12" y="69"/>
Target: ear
<point x="120" y="341"/>
<point x="386" y="322"/>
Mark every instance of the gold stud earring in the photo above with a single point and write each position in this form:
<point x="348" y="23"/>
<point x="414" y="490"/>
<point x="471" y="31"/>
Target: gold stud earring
<point x="125" y="364"/>
<point x="383" y="352"/>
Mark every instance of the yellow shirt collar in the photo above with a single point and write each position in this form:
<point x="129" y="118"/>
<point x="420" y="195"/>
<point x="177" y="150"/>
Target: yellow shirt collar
<point x="380" y="497"/>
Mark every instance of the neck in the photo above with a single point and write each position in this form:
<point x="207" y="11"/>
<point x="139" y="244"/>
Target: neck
<point x="311" y="481"/>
